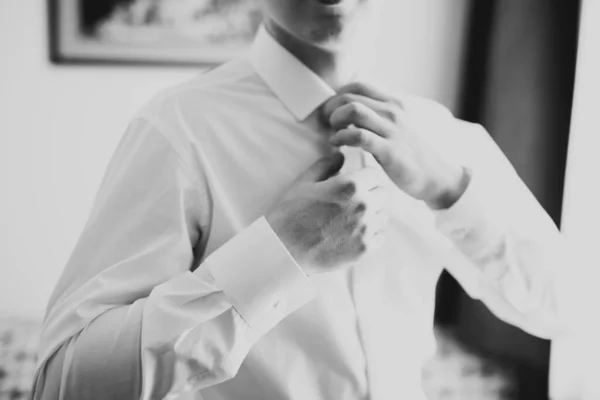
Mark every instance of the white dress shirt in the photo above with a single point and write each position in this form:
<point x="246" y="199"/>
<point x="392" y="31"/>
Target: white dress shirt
<point x="179" y="288"/>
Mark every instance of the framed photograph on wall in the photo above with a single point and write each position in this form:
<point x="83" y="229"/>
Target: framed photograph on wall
<point x="152" y="32"/>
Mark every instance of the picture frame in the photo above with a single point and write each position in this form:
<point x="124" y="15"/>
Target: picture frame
<point x="151" y="32"/>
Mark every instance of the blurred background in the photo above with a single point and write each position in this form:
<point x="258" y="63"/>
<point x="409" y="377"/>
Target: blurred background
<point x="73" y="72"/>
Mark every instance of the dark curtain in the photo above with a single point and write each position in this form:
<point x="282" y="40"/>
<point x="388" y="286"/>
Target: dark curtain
<point x="518" y="83"/>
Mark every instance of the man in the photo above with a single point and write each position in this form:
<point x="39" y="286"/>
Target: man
<point x="233" y="252"/>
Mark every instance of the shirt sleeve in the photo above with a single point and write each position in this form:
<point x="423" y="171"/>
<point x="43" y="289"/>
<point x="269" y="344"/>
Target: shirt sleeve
<point x="512" y="252"/>
<point x="133" y="312"/>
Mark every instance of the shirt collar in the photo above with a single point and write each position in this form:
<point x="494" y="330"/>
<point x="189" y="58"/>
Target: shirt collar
<point x="299" y="88"/>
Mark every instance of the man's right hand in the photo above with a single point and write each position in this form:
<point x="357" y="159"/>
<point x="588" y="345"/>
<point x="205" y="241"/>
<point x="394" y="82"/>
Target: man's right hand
<point x="326" y="221"/>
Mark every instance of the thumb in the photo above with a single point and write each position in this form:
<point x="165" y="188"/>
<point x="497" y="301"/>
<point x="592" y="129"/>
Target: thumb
<point x="323" y="169"/>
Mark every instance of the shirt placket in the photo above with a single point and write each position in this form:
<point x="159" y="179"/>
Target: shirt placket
<point x="361" y="282"/>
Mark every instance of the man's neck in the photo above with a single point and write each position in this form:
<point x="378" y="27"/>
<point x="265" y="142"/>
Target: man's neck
<point x="336" y="68"/>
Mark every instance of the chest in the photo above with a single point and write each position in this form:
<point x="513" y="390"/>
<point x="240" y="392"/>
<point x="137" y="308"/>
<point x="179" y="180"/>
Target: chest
<point x="249" y="166"/>
<point x="391" y="293"/>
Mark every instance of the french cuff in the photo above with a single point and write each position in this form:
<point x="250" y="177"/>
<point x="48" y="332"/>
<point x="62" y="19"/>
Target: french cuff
<point x="260" y="277"/>
<point x="473" y="224"/>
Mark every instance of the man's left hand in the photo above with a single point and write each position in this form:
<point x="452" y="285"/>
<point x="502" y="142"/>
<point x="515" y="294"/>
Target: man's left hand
<point x="365" y="117"/>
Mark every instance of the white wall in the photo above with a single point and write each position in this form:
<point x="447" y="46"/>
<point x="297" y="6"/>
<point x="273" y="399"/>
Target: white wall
<point x="576" y="359"/>
<point x="60" y="124"/>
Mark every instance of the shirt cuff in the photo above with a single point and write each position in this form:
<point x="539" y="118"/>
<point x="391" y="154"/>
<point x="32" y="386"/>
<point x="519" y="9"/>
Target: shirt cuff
<point x="261" y="278"/>
<point x="473" y="224"/>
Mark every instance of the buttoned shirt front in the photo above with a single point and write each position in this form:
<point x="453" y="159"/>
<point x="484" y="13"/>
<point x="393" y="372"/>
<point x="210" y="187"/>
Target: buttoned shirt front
<point x="178" y="265"/>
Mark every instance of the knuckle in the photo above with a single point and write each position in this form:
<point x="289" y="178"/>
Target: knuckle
<point x="347" y="189"/>
<point x="398" y="103"/>
<point x="358" y="86"/>
<point x="356" y="110"/>
<point x="362" y="247"/>
<point x="391" y="115"/>
<point x="360" y="208"/>
<point x="362" y="230"/>
<point x="346" y="98"/>
<point x="362" y="137"/>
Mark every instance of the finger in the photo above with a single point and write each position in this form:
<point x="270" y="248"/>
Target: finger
<point x="361" y="138"/>
<point x="361" y="116"/>
<point x="374" y="201"/>
<point x="374" y="208"/>
<point x="369" y="205"/>
<point x="355" y="185"/>
<point x="323" y="168"/>
<point x="367" y="90"/>
<point x="386" y="110"/>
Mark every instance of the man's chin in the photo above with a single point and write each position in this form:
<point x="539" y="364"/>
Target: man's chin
<point x="331" y="39"/>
